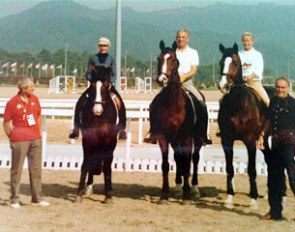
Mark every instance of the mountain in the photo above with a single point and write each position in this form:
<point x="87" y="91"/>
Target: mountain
<point x="55" y="24"/>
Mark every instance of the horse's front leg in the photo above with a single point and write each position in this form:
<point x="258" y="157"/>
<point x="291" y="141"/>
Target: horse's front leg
<point x="164" y="146"/>
<point x="251" y="148"/>
<point x="107" y="171"/>
<point x="228" y="151"/>
<point x="81" y="187"/>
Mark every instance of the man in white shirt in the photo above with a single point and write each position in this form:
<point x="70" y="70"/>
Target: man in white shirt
<point x="252" y="65"/>
<point x="188" y="65"/>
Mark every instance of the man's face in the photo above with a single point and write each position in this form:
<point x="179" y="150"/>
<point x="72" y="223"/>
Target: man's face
<point x="282" y="88"/>
<point x="247" y="42"/>
<point x="182" y="39"/>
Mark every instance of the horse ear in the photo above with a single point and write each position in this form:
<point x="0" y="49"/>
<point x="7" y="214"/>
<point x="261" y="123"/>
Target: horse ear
<point x="236" y="48"/>
<point x="221" y="48"/>
<point x="174" y="46"/>
<point x="162" y="45"/>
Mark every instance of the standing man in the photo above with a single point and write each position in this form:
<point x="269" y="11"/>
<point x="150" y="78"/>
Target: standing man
<point x="188" y="65"/>
<point x="22" y="126"/>
<point x="282" y="120"/>
<point x="252" y="66"/>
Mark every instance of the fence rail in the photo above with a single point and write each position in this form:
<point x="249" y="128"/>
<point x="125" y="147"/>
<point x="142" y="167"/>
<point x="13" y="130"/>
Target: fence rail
<point x="136" y="111"/>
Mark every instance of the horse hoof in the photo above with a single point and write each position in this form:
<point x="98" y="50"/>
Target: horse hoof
<point x="178" y="191"/>
<point x="195" y="193"/>
<point x="78" y="199"/>
<point x="229" y="202"/>
<point x="88" y="190"/>
<point x="163" y="202"/>
<point x="253" y="204"/>
<point x="108" y="201"/>
<point x="186" y="202"/>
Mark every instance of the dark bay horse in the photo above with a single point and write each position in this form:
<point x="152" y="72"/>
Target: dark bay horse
<point x="242" y="116"/>
<point x="172" y="122"/>
<point x="99" y="134"/>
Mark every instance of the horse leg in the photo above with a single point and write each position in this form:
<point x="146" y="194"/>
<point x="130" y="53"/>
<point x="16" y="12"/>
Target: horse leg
<point x="89" y="188"/>
<point x="81" y="187"/>
<point x="195" y="193"/>
<point x="251" y="148"/>
<point x="228" y="151"/>
<point x="107" y="171"/>
<point x="165" y="170"/>
<point x="186" y="150"/>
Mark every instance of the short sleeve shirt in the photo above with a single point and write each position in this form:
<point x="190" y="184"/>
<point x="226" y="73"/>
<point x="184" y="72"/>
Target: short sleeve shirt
<point x="187" y="58"/>
<point x="17" y="111"/>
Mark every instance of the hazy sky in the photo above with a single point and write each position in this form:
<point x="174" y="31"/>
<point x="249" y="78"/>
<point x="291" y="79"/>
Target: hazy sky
<point x="8" y="7"/>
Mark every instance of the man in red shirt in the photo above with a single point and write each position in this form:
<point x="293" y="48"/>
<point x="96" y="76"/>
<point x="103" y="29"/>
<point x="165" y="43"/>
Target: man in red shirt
<point x="22" y="126"/>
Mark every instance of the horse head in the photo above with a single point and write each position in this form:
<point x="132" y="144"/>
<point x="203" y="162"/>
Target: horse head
<point x="230" y="68"/>
<point x="100" y="89"/>
<point x="167" y="65"/>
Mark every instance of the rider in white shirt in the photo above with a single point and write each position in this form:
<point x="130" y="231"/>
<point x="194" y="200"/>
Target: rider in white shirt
<point x="188" y="64"/>
<point x="252" y="66"/>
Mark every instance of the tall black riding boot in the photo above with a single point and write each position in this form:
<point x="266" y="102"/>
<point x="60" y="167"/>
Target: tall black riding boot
<point x="77" y="119"/>
<point x="202" y="122"/>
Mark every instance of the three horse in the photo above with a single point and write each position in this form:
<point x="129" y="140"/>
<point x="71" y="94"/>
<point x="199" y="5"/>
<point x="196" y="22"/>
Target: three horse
<point x="242" y="116"/>
<point x="99" y="134"/>
<point x="172" y="121"/>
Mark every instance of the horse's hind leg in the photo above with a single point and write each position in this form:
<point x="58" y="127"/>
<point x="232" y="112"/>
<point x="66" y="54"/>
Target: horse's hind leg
<point x="186" y="164"/>
<point x="228" y="150"/>
<point x="89" y="189"/>
<point x="195" y="193"/>
<point x="178" y="175"/>
<point x="107" y="171"/>
<point x="252" y="174"/>
<point x="81" y="187"/>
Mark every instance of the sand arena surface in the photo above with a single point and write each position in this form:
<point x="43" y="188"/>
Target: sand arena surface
<point x="135" y="205"/>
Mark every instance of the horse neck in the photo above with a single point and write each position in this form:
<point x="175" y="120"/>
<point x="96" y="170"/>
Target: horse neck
<point x="238" y="77"/>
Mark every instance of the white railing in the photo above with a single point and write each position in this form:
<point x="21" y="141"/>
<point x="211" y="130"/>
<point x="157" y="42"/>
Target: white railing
<point x="136" y="110"/>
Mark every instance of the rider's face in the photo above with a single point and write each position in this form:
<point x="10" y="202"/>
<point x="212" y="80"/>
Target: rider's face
<point x="182" y="39"/>
<point x="247" y="42"/>
<point x="103" y="48"/>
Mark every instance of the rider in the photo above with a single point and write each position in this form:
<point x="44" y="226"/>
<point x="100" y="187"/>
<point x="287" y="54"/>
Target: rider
<point x="188" y="64"/>
<point x="102" y="58"/>
<point x="252" y="66"/>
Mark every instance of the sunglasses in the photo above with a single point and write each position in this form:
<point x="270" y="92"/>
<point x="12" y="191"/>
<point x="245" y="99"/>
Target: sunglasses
<point x="102" y="45"/>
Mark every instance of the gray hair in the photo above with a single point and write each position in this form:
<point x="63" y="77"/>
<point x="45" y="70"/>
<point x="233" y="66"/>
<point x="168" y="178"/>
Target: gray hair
<point x="183" y="30"/>
<point x="248" y="34"/>
<point x="283" y="79"/>
<point x="24" y="82"/>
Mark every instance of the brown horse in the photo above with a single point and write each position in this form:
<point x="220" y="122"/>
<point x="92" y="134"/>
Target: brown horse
<point x="242" y="116"/>
<point x="172" y="122"/>
<point x="99" y="134"/>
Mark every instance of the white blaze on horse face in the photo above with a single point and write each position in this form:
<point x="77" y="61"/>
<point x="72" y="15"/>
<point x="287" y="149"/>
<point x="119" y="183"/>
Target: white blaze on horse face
<point x="223" y="81"/>
<point x="97" y="108"/>
<point x="163" y="78"/>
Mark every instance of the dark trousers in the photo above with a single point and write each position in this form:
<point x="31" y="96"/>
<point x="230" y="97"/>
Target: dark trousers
<point x="281" y="159"/>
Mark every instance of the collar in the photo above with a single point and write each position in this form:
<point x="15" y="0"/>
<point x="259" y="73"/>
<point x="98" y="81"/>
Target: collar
<point x="183" y="50"/>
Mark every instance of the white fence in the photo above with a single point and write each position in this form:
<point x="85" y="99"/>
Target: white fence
<point x="136" y="110"/>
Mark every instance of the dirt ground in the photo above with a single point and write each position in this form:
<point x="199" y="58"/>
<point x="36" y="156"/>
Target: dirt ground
<point x="135" y="205"/>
